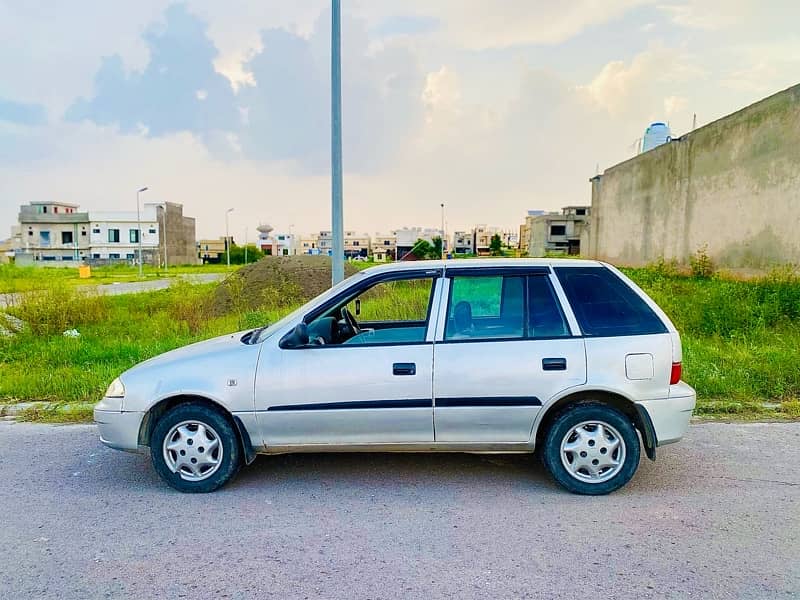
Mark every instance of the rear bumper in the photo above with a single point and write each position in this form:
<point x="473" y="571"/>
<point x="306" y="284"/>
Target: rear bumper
<point x="119" y="430"/>
<point x="670" y="416"/>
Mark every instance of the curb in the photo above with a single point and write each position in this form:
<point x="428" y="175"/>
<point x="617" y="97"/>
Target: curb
<point x="13" y="411"/>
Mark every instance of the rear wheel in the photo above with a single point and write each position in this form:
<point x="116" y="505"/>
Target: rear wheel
<point x="591" y="449"/>
<point x="194" y="448"/>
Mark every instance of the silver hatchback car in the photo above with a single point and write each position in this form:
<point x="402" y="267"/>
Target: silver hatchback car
<point x="565" y="357"/>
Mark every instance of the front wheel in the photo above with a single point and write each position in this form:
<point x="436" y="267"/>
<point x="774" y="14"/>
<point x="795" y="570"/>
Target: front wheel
<point x="591" y="449"/>
<point x="194" y="448"/>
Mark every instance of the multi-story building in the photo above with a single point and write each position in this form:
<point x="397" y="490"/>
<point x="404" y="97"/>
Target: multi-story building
<point x="482" y="239"/>
<point x="355" y="244"/>
<point x="56" y="232"/>
<point x="212" y="251"/>
<point x="462" y="242"/>
<point x="556" y="233"/>
<point x="309" y="244"/>
<point x="384" y="247"/>
<point x="407" y="237"/>
<point x="52" y="232"/>
<point x="114" y="235"/>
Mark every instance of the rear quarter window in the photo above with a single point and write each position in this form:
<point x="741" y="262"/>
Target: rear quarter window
<point x="604" y="304"/>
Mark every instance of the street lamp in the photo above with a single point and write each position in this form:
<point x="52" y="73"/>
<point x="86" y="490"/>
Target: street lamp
<point x="139" y="225"/>
<point x="228" y="237"/>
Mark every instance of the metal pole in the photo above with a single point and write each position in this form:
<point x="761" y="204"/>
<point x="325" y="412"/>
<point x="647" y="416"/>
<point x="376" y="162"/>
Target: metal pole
<point x="443" y="250"/>
<point x="245" y="245"/>
<point x="227" y="238"/>
<point x="139" y="225"/>
<point x="337" y="217"/>
<point x="164" y="231"/>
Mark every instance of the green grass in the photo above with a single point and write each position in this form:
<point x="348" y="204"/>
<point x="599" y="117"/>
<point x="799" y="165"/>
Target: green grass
<point x="23" y="279"/>
<point x="741" y="338"/>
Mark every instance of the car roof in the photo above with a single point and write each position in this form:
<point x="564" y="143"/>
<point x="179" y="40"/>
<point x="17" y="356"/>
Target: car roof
<point x="482" y="263"/>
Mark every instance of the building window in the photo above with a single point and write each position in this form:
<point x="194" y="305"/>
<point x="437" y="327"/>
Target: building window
<point x="95" y="255"/>
<point x="580" y="211"/>
<point x="96" y="230"/>
<point x="134" y="236"/>
<point x="151" y="230"/>
<point x="113" y="255"/>
<point x="558" y="230"/>
<point x="355" y="242"/>
<point x="44" y="210"/>
<point x="66" y="237"/>
<point x="83" y="233"/>
<point x="113" y="236"/>
<point x="30" y="232"/>
<point x="130" y="256"/>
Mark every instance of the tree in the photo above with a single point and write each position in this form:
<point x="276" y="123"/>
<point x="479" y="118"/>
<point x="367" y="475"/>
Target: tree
<point x="496" y="245"/>
<point x="424" y="249"/>
<point x="237" y="254"/>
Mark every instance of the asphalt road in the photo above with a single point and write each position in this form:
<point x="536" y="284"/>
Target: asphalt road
<point x="717" y="516"/>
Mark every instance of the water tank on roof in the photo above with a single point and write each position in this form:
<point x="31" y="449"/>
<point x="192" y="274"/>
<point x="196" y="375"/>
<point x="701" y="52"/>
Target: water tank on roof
<point x="656" y="134"/>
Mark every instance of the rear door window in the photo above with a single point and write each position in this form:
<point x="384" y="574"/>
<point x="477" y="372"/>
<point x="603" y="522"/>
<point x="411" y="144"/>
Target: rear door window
<point x="604" y="304"/>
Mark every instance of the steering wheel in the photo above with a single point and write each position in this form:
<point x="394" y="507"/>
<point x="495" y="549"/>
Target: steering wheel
<point x="350" y="321"/>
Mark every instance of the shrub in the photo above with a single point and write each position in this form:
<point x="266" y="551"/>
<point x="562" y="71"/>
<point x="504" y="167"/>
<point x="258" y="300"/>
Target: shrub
<point x="57" y="308"/>
<point x="701" y="264"/>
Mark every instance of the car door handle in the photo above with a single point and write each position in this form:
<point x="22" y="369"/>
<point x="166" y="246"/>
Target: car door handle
<point x="404" y="369"/>
<point x="554" y="364"/>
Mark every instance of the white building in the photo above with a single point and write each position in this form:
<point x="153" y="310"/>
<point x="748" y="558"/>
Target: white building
<point x="115" y="234"/>
<point x="407" y="237"/>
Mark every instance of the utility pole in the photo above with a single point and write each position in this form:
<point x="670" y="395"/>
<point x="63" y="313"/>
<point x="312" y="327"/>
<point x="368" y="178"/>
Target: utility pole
<point x="337" y="217"/>
<point x="228" y="238"/>
<point x="164" y="235"/>
<point x="139" y="227"/>
<point x="245" y="245"/>
<point x="443" y="236"/>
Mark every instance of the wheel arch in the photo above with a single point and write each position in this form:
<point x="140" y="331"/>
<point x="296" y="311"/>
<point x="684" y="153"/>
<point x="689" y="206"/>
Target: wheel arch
<point x="636" y="413"/>
<point x="155" y="412"/>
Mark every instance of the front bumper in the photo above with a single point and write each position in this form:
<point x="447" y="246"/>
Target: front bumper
<point x="119" y="430"/>
<point x="670" y="416"/>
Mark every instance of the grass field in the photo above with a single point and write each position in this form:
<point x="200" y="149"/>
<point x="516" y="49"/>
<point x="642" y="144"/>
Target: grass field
<point x="741" y="338"/>
<point x="23" y="279"/>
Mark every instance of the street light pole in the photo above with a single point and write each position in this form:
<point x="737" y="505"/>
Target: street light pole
<point x="228" y="237"/>
<point x="443" y="236"/>
<point x="139" y="225"/>
<point x="164" y="235"/>
<point x="337" y="218"/>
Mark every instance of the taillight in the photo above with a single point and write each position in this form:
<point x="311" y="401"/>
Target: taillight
<point x="675" y="374"/>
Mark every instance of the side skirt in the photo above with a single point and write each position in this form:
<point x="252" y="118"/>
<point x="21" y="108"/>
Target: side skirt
<point x="487" y="448"/>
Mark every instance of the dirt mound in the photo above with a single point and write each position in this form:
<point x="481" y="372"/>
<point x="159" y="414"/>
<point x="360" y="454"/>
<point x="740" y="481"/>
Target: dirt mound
<point x="275" y="281"/>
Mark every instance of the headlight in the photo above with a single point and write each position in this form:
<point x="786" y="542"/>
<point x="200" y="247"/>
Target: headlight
<point x="116" y="389"/>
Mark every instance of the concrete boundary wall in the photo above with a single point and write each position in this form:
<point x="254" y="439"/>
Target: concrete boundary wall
<point x="732" y="185"/>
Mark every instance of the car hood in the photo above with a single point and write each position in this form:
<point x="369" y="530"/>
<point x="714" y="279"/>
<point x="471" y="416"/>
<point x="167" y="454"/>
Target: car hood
<point x="192" y="352"/>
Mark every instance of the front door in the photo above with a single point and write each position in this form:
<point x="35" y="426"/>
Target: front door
<point x="365" y="377"/>
<point x="506" y="349"/>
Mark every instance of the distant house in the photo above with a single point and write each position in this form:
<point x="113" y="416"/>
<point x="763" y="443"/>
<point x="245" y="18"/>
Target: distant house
<point x="556" y="233"/>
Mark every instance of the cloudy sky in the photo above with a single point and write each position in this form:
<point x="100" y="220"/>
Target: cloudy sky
<point x="493" y="108"/>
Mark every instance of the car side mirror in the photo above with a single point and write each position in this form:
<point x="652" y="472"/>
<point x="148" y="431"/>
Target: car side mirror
<point x="358" y="306"/>
<point x="297" y="338"/>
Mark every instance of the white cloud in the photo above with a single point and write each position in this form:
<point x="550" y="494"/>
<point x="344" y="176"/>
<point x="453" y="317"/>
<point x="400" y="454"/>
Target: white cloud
<point x="675" y="104"/>
<point x="619" y="86"/>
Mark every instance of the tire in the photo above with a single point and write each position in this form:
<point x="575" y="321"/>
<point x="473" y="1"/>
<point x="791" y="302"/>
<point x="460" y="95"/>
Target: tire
<point x="204" y="452"/>
<point x="591" y="449"/>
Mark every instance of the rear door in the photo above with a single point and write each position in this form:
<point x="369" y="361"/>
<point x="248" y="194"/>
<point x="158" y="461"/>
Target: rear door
<point x="503" y="350"/>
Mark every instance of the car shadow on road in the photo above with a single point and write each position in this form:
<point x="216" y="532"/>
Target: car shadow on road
<point x="434" y="471"/>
